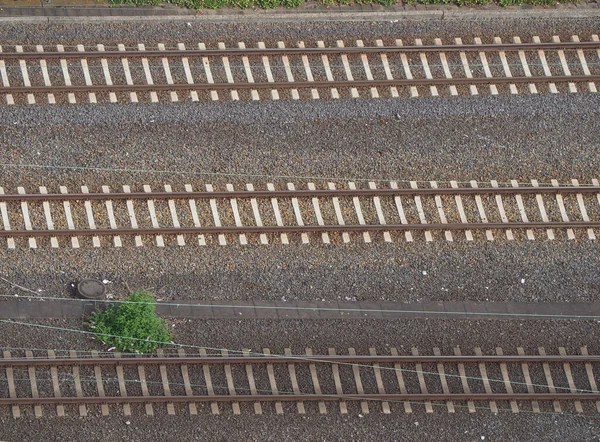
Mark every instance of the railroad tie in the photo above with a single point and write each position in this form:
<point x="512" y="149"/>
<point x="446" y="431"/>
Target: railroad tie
<point x="570" y="380"/>
<point x="387" y="70"/>
<point x="144" y="387"/>
<point x="188" y="73"/>
<point x="10" y="378"/>
<point x="100" y="384"/>
<point x="422" y="383"/>
<point x="60" y="409"/>
<point x="525" y="368"/>
<point x="122" y="386"/>
<point x="335" y="369"/>
<point x="273" y="382"/>
<point x="400" y="378"/>
<point x="165" y="383"/>
<point x="77" y="380"/>
<point x="542" y="209"/>
<point x="33" y="384"/>
<point x="507" y="384"/>
<point x="385" y="405"/>
<point x="229" y="375"/>
<point x="364" y="405"/>
<point x="90" y="216"/>
<point x="549" y="380"/>
<point x="443" y="380"/>
<point x="294" y="380"/>
<point x="214" y="406"/>
<point x="590" y="374"/>
<point x="252" y="382"/>
<point x="48" y="216"/>
<point x="186" y="382"/>
<point x="315" y="381"/>
<point x="486" y="381"/>
<point x="465" y="380"/>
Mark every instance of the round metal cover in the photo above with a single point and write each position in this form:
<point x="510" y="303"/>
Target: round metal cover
<point x="91" y="289"/>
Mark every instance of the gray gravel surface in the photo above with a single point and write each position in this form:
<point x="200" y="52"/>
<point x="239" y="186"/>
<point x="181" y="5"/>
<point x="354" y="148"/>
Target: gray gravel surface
<point x="482" y="271"/>
<point x="320" y="335"/>
<point x="483" y="138"/>
<point x="230" y="33"/>
<point x="292" y="427"/>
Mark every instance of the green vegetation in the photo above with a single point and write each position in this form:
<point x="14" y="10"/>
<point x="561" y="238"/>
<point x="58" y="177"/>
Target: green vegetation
<point x="132" y="325"/>
<point x="268" y="4"/>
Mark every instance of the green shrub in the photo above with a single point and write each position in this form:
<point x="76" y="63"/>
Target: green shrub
<point x="267" y="4"/>
<point x="214" y="4"/>
<point x="133" y="325"/>
<point x="291" y="3"/>
<point x="243" y="4"/>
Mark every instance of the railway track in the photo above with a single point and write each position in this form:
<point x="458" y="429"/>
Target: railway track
<point x="332" y="212"/>
<point x="39" y="74"/>
<point x="251" y="382"/>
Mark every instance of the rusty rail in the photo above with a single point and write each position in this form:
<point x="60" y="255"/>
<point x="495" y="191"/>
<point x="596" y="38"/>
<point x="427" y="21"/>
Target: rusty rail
<point x="300" y="193"/>
<point x="416" y="397"/>
<point x="298" y="359"/>
<point x="301" y="229"/>
<point x="250" y="52"/>
<point x="298" y="84"/>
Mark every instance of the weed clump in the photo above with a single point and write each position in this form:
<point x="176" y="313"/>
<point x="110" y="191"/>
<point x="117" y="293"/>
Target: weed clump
<point x="131" y="326"/>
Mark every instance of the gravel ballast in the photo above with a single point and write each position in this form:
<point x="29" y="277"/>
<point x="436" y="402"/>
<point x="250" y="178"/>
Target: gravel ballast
<point x="292" y="427"/>
<point x="413" y="272"/>
<point x="290" y="30"/>
<point x="483" y="138"/>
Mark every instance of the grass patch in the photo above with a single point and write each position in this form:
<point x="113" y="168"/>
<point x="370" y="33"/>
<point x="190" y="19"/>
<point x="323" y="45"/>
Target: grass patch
<point x="269" y="4"/>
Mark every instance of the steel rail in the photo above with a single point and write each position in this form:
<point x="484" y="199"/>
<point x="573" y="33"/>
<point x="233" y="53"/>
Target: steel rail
<point x="302" y="397"/>
<point x="297" y="84"/>
<point x="299" y="193"/>
<point x="300" y="229"/>
<point x="299" y="359"/>
<point x="491" y="47"/>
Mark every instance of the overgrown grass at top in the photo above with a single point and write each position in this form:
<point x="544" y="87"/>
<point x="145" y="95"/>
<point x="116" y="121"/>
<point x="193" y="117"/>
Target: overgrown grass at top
<point x="269" y="4"/>
<point x="131" y="326"/>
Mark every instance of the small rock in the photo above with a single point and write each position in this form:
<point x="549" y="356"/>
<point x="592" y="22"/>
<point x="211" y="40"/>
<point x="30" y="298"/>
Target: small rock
<point x="128" y="423"/>
<point x="522" y="280"/>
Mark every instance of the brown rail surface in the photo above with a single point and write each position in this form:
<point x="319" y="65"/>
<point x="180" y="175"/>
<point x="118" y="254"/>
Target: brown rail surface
<point x="300" y="193"/>
<point x="492" y="47"/>
<point x="301" y="229"/>
<point x="299" y="359"/>
<point x="298" y="84"/>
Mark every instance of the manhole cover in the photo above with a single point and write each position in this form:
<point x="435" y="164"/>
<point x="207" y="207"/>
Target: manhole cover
<point x="91" y="289"/>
